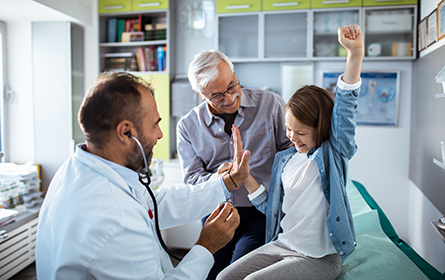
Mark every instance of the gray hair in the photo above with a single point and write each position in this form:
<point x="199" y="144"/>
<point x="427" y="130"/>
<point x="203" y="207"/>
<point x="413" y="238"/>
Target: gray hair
<point x="203" y="69"/>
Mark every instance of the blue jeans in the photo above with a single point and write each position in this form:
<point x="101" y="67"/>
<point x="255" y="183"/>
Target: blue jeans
<point x="249" y="235"/>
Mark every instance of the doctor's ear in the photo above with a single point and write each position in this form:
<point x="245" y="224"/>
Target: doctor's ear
<point x="128" y="134"/>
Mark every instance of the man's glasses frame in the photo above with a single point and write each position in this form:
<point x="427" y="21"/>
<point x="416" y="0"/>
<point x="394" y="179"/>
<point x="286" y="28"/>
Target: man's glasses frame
<point x="218" y="97"/>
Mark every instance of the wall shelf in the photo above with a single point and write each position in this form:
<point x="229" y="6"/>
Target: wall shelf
<point x="438" y="162"/>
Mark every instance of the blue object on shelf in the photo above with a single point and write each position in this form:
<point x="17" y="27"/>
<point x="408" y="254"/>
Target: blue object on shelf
<point x="161" y="56"/>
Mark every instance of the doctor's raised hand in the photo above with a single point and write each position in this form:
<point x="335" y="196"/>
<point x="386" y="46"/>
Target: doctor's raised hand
<point x="238" y="170"/>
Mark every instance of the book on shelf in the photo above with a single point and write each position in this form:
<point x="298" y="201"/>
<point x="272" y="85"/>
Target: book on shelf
<point x="120" y="29"/>
<point x="112" y="30"/>
<point x="141" y="60"/>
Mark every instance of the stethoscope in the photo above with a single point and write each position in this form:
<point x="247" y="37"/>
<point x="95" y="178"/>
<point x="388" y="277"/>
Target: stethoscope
<point x="145" y="180"/>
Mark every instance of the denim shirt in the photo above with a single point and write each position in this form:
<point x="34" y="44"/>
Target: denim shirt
<point x="332" y="161"/>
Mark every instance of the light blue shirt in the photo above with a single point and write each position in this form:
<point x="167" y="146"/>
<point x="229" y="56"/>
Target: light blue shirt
<point x="92" y="226"/>
<point x="332" y="161"/>
<point x="203" y="145"/>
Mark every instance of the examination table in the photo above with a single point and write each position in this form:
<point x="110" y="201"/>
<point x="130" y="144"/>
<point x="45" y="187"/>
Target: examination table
<point x="380" y="253"/>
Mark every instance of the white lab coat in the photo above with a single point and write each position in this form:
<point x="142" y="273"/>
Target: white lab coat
<point x="92" y="226"/>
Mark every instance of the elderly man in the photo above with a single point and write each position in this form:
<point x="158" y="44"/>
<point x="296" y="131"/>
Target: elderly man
<point x="99" y="222"/>
<point x="205" y="142"/>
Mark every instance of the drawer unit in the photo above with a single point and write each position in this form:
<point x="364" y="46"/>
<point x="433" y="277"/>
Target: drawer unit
<point x="17" y="249"/>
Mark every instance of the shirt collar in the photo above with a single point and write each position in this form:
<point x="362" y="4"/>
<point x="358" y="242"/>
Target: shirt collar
<point x="246" y="101"/>
<point x="130" y="176"/>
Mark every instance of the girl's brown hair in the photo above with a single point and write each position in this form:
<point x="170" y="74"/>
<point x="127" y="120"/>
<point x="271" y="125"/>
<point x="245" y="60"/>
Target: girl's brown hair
<point x="312" y="106"/>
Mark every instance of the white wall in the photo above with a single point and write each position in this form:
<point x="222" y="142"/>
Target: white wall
<point x="19" y="111"/>
<point x="421" y="234"/>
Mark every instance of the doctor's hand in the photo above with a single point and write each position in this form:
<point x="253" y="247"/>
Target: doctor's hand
<point x="240" y="168"/>
<point x="223" y="169"/>
<point x="219" y="228"/>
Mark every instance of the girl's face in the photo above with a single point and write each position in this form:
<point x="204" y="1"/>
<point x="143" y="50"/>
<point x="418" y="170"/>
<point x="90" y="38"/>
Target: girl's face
<point x="301" y="135"/>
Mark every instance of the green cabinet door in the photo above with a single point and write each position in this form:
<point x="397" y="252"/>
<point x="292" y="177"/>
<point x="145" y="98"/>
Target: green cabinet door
<point x="325" y="4"/>
<point x="114" y="6"/>
<point x="370" y="3"/>
<point x="237" y="6"/>
<point x="139" y="5"/>
<point x="280" y="5"/>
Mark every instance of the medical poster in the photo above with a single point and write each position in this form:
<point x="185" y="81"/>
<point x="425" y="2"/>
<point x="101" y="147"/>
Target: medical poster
<point x="378" y="100"/>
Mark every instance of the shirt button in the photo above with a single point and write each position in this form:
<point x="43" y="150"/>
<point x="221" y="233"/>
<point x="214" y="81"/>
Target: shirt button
<point x="322" y="170"/>
<point x="341" y="253"/>
<point x="231" y="143"/>
<point x="330" y="234"/>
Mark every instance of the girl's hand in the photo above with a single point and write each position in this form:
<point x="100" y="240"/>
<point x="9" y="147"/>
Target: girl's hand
<point x="351" y="38"/>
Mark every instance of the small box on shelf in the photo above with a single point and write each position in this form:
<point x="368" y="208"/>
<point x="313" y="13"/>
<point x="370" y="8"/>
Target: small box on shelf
<point x="132" y="37"/>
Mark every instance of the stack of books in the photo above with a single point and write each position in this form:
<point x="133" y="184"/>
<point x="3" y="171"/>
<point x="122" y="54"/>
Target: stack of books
<point x="118" y="62"/>
<point x="152" y="58"/>
<point x="118" y="30"/>
<point x="155" y="31"/>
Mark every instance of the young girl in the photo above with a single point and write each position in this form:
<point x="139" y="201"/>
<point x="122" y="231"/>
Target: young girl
<point x="309" y="227"/>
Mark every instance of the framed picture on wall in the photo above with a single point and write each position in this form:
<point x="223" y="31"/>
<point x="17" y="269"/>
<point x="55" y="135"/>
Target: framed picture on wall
<point x="379" y="96"/>
<point x="432" y="27"/>
<point x="422" y="35"/>
<point x="441" y="20"/>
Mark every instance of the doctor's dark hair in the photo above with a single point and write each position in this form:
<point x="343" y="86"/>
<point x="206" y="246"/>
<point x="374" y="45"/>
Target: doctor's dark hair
<point x="112" y="98"/>
<point x="312" y="106"/>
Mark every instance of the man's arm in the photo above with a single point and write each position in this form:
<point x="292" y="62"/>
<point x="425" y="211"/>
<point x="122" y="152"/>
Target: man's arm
<point x="192" y="167"/>
<point x="282" y="141"/>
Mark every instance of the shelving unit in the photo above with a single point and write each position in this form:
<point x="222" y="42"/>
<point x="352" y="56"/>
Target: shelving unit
<point x="149" y="13"/>
<point x="148" y="18"/>
<point x="311" y="34"/>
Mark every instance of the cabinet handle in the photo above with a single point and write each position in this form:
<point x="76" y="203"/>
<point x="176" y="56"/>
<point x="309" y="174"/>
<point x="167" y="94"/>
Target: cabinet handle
<point x="237" y="7"/>
<point x="113" y="7"/>
<point x="149" y="4"/>
<point x="3" y="234"/>
<point x="285" y="4"/>
<point x="336" y="2"/>
<point x="389" y="0"/>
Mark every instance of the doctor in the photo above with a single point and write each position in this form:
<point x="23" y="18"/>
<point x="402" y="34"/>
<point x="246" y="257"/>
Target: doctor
<point x="97" y="219"/>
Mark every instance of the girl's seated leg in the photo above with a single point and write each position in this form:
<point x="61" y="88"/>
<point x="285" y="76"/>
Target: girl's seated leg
<point x="275" y="261"/>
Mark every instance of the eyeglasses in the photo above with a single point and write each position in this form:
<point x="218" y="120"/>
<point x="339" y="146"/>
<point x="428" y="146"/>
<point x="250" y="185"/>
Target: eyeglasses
<point x="219" y="96"/>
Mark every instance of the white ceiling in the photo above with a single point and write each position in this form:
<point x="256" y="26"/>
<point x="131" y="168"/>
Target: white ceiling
<point x="28" y="10"/>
